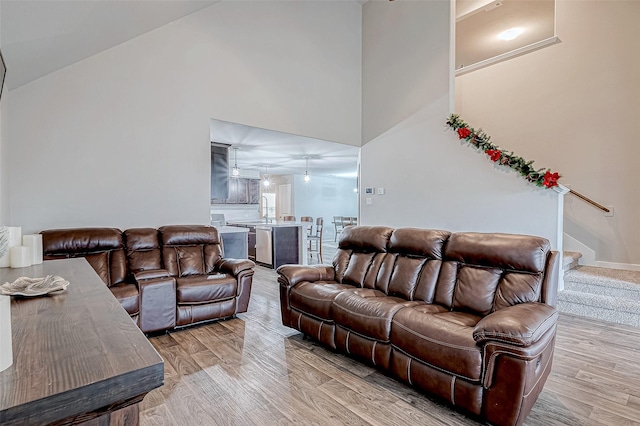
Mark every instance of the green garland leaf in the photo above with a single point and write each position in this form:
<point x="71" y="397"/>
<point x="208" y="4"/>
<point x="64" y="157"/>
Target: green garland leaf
<point x="479" y="139"/>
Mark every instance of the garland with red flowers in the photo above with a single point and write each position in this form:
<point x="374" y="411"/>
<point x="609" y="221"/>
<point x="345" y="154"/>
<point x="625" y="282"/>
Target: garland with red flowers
<point x="482" y="141"/>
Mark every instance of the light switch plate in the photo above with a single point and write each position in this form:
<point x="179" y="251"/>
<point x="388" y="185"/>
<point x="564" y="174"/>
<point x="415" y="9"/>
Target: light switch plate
<point x="368" y="200"/>
<point x="380" y="191"/>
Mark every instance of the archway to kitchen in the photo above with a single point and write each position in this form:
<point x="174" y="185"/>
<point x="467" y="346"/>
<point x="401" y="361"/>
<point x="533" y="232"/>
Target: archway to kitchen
<point x="264" y="175"/>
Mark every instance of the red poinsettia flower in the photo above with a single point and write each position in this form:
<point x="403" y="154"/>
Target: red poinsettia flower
<point x="463" y="132"/>
<point x="550" y="179"/>
<point x="494" y="154"/>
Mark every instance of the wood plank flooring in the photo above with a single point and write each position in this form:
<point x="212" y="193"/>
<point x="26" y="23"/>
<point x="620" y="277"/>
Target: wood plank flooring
<point x="253" y="371"/>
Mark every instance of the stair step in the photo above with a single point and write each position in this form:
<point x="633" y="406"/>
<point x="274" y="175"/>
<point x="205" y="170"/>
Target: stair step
<point x="606" y="308"/>
<point x="612" y="282"/>
<point x="570" y="259"/>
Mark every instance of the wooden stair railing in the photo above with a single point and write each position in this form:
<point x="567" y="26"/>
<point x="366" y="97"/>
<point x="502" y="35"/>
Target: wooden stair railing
<point x="589" y="200"/>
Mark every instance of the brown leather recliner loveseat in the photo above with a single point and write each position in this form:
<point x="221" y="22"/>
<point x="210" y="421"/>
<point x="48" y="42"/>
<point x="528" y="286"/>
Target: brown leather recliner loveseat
<point x="164" y="278"/>
<point x="467" y="317"/>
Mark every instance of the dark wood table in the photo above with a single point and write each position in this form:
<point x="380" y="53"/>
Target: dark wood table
<point x="77" y="356"/>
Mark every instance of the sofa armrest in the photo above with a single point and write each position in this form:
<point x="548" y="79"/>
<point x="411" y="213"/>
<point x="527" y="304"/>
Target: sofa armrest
<point x="290" y="275"/>
<point x="520" y="325"/>
<point x="150" y="274"/>
<point x="234" y="266"/>
<point x="157" y="303"/>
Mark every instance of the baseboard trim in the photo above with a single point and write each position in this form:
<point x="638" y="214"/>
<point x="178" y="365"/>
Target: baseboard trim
<point x="615" y="265"/>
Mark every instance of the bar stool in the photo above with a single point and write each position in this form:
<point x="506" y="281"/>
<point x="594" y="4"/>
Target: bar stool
<point x="315" y="241"/>
<point x="310" y="228"/>
<point x="289" y="218"/>
<point x="338" y="225"/>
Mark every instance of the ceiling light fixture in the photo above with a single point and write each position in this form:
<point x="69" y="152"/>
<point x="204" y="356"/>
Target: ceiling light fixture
<point x="235" y="172"/>
<point x="307" y="177"/>
<point x="511" y="33"/>
<point x="265" y="176"/>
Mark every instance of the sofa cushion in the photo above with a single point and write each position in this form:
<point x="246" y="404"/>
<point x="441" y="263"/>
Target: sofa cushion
<point x="143" y="249"/>
<point x="77" y="242"/>
<point x="102" y="247"/>
<point x="368" y="239"/>
<point x="205" y="288"/>
<point x="367" y="312"/>
<point x="128" y="296"/>
<point x="475" y="289"/>
<point x="418" y="242"/>
<point x="439" y="338"/>
<point x="316" y="298"/>
<point x="111" y="266"/>
<point x="189" y="249"/>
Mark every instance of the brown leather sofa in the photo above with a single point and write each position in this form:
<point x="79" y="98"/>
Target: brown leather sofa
<point x="164" y="278"/>
<point x="467" y="317"/>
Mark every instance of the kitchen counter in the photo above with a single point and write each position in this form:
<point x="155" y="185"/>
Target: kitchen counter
<point x="277" y="242"/>
<point x="272" y="224"/>
<point x="230" y="230"/>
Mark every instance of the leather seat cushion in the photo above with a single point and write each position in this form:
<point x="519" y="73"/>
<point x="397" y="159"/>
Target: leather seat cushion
<point x="128" y="296"/>
<point x="200" y="289"/>
<point x="316" y="298"/>
<point x="442" y="339"/>
<point x="368" y="312"/>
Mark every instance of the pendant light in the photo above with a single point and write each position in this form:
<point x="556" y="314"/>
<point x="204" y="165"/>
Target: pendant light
<point x="306" y="177"/>
<point x="266" y="182"/>
<point x="235" y="172"/>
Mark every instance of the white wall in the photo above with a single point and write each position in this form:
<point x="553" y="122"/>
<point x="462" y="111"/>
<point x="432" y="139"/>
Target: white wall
<point x="4" y="162"/>
<point x="405" y="51"/>
<point x="430" y="179"/>
<point x="574" y="107"/>
<point x="122" y="138"/>
<point x="325" y="197"/>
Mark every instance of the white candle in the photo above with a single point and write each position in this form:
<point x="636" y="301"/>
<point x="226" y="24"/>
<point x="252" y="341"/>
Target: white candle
<point x="15" y="239"/>
<point x="20" y="256"/>
<point x="6" y="351"/>
<point x="34" y="242"/>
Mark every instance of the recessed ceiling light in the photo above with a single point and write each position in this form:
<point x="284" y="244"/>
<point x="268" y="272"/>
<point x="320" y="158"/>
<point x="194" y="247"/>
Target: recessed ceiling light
<point x="511" y="33"/>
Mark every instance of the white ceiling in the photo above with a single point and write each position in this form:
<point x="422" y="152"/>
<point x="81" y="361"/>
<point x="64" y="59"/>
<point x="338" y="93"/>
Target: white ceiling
<point x="478" y="23"/>
<point x="39" y="37"/>
<point x="284" y="153"/>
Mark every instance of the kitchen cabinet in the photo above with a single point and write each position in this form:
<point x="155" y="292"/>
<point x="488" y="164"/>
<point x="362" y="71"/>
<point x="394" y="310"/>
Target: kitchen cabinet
<point x="219" y="172"/>
<point x="240" y="191"/>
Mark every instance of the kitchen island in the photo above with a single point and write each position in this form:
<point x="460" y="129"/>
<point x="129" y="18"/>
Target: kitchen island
<point x="277" y="242"/>
<point x="235" y="241"/>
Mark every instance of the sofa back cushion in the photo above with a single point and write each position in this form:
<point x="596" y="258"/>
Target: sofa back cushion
<point x="402" y="263"/>
<point x="102" y="247"/>
<point x="189" y="249"/>
<point x="360" y="252"/>
<point x="482" y="273"/>
<point x="143" y="249"/>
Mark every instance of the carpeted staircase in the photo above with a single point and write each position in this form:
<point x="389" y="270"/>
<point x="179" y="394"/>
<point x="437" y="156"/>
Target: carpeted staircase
<point x="606" y="294"/>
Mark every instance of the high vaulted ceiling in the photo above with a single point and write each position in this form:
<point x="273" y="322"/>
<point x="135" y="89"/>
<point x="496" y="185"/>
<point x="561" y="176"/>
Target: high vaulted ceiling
<point x="284" y="153"/>
<point x="39" y="37"/>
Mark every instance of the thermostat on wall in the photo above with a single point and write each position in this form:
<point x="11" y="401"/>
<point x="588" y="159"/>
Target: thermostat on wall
<point x="368" y="191"/>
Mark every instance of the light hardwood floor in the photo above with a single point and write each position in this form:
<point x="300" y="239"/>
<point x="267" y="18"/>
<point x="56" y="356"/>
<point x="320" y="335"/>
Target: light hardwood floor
<point x="253" y="371"/>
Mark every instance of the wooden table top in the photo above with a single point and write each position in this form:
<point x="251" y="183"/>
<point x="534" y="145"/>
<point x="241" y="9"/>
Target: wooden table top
<point x="73" y="352"/>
